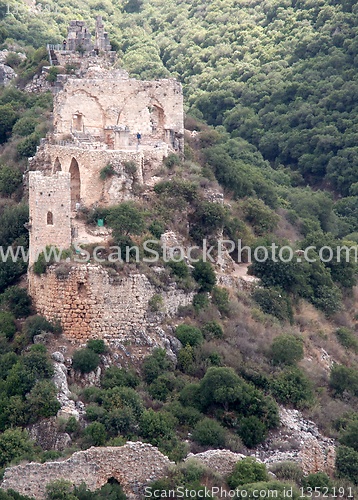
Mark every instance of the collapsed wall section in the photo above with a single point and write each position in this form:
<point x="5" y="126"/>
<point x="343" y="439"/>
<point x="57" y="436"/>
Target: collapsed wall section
<point x="133" y="465"/>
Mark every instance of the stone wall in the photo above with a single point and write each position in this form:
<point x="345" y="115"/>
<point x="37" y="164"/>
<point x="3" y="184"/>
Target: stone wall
<point x="133" y="465"/>
<point x="50" y="205"/>
<point x="93" y="190"/>
<point x="93" y="302"/>
<point x="106" y="98"/>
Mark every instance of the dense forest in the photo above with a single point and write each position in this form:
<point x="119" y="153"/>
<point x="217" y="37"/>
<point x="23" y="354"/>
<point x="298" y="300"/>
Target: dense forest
<point x="271" y="86"/>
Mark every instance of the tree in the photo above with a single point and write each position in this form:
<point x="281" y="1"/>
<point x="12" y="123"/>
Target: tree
<point x="126" y="219"/>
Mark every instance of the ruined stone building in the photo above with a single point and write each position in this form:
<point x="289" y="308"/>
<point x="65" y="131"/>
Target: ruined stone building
<point x="101" y="118"/>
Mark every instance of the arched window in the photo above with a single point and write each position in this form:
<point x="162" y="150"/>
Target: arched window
<point x="75" y="183"/>
<point x="57" y="166"/>
<point x="50" y="218"/>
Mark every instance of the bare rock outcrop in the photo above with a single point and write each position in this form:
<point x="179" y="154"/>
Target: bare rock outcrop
<point x="299" y="440"/>
<point x="133" y="465"/>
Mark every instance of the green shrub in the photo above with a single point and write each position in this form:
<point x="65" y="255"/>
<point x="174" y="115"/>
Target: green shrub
<point x="286" y="350"/>
<point x="117" y="377"/>
<point x="319" y="480"/>
<point x="162" y="386"/>
<point x="291" y="386"/>
<point x="96" y="434"/>
<point x="156" y="303"/>
<point x="157" y="426"/>
<point x="97" y="345"/>
<point x="130" y="168"/>
<point x="190" y="396"/>
<point x="186" y="359"/>
<point x="14" y="444"/>
<point x="347" y="339"/>
<point x="220" y="297"/>
<point x="189" y="335"/>
<point x="106" y="172"/>
<point x="209" y="432"/>
<point x="343" y="378"/>
<point x="157" y="229"/>
<point x="204" y="275"/>
<point x="52" y="74"/>
<point x="247" y="471"/>
<point x="17" y="301"/>
<point x="200" y="301"/>
<point x="179" y="269"/>
<point x="274" y="489"/>
<point x="186" y="415"/>
<point x="212" y="329"/>
<point x="347" y="464"/>
<point x="27" y="147"/>
<point x="274" y="302"/>
<point x="252" y="431"/>
<point x="85" y="360"/>
<point x="42" y="400"/>
<point x="10" y="180"/>
<point x="25" y="126"/>
<point x="171" y="160"/>
<point x="260" y="216"/>
<point x="155" y="364"/>
<point x="287" y="471"/>
<point x="60" y="490"/>
<point x="38" y="324"/>
<point x="350" y="436"/>
<point x="7" y="325"/>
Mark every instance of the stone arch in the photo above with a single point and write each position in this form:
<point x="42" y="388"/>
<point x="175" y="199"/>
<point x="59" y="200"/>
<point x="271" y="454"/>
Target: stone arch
<point x="57" y="166"/>
<point x="49" y="218"/>
<point x="75" y="183"/>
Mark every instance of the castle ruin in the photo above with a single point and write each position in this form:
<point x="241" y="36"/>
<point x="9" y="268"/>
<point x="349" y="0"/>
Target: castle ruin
<point x="101" y="119"/>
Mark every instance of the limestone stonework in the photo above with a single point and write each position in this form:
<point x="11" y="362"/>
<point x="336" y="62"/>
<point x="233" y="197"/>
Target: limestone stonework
<point x="50" y="210"/>
<point x="133" y="465"/>
<point x="92" y="302"/>
<point x="102" y="118"/>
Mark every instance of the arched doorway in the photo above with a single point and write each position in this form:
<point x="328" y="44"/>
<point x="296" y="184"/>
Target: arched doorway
<point x="77" y="122"/>
<point x="156" y="118"/>
<point x="57" y="166"/>
<point x="75" y="183"/>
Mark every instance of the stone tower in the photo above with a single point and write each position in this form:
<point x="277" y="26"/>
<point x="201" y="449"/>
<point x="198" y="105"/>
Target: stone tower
<point x="102" y="43"/>
<point x="50" y="210"/>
